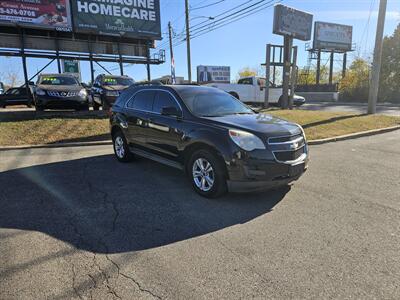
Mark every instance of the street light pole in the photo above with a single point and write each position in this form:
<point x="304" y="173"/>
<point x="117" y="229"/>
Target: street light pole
<point x="376" y="65"/>
<point x="188" y="41"/>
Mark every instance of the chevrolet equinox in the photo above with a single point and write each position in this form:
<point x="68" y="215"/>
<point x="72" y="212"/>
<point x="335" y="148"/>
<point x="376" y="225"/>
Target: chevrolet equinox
<point x="217" y="140"/>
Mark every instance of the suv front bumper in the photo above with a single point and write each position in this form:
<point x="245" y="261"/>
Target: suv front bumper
<point x="259" y="170"/>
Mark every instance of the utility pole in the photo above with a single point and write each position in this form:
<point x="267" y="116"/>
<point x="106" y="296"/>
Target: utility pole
<point x="188" y="41"/>
<point x="376" y="65"/>
<point x="171" y="50"/>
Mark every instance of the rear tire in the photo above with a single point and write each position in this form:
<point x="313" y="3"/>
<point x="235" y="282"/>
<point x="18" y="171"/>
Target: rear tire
<point x="207" y="174"/>
<point x="121" y="148"/>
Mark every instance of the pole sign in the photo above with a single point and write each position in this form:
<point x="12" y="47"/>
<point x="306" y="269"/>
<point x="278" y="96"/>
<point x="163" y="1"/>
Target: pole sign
<point x="72" y="67"/>
<point x="207" y="74"/>
<point x="127" y="18"/>
<point x="47" y="14"/>
<point x="292" y="22"/>
<point x="330" y="36"/>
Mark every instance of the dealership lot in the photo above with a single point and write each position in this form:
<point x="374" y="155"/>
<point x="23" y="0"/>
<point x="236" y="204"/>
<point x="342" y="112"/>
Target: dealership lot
<point x="75" y="223"/>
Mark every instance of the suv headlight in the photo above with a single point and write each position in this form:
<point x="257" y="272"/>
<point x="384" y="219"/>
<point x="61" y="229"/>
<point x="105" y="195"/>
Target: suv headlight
<point x="82" y="93"/>
<point x="246" y="140"/>
<point x="112" y="93"/>
<point x="40" y="92"/>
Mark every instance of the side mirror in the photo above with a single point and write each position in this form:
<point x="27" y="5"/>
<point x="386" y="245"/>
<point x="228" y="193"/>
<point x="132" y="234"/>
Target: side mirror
<point x="171" y="111"/>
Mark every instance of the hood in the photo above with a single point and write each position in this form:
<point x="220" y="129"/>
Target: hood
<point x="60" y="88"/>
<point x="261" y="123"/>
<point x="115" y="87"/>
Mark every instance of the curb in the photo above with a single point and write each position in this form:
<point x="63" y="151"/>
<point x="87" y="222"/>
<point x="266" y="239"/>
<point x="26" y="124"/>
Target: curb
<point x="353" y="135"/>
<point x="56" y="145"/>
<point x="108" y="142"/>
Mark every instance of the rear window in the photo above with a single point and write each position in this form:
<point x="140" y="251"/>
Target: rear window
<point x="58" y="80"/>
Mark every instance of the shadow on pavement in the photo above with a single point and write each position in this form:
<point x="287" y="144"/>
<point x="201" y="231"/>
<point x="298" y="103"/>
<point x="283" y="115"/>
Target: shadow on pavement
<point x="103" y="206"/>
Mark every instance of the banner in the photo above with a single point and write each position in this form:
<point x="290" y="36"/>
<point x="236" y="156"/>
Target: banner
<point x="126" y="18"/>
<point x="207" y="74"/>
<point x="53" y="14"/>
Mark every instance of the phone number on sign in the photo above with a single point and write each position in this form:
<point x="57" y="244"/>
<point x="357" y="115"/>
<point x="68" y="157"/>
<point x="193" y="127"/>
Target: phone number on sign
<point x="17" y="12"/>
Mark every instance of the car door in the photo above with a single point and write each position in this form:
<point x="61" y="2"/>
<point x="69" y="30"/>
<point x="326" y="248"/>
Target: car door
<point x="137" y="114"/>
<point x="165" y="132"/>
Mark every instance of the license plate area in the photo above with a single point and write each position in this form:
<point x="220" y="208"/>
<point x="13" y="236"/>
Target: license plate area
<point x="296" y="169"/>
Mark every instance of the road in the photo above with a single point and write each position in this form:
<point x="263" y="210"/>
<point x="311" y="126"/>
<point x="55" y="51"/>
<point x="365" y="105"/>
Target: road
<point x="357" y="108"/>
<point x="76" y="224"/>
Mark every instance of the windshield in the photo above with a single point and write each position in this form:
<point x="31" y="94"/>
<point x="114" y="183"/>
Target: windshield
<point x="61" y="80"/>
<point x="118" y="81"/>
<point x="210" y="102"/>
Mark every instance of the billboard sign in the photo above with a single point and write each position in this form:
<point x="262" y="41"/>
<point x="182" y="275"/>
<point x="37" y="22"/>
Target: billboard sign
<point x="330" y="36"/>
<point x="128" y="18"/>
<point x="47" y="14"/>
<point x="207" y="74"/>
<point x="72" y="67"/>
<point x="292" y="22"/>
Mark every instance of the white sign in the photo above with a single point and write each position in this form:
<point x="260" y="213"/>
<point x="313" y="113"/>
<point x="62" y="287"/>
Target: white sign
<point x="330" y="36"/>
<point x="292" y="22"/>
<point x="207" y="74"/>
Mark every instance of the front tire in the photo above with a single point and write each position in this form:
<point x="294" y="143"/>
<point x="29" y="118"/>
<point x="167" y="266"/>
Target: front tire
<point x="207" y="174"/>
<point x="121" y="149"/>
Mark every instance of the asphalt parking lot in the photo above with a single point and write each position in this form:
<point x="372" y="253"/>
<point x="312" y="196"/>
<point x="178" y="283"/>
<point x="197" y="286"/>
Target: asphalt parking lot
<point x="357" y="108"/>
<point x="74" y="223"/>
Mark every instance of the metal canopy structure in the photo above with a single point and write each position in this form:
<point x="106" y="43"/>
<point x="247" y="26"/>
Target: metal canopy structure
<point x="22" y="42"/>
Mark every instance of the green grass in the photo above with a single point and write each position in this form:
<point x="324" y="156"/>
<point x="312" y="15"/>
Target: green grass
<point x="321" y="124"/>
<point x="54" y="128"/>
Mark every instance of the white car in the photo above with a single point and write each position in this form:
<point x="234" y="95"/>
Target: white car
<point x="252" y="90"/>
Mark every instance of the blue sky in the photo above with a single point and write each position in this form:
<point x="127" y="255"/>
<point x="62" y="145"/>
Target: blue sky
<point x="242" y="43"/>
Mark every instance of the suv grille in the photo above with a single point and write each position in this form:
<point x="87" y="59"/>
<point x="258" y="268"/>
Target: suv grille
<point x="287" y="148"/>
<point x="62" y="94"/>
<point x="289" y="155"/>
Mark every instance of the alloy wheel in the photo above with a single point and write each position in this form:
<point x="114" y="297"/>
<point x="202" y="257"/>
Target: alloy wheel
<point x="203" y="174"/>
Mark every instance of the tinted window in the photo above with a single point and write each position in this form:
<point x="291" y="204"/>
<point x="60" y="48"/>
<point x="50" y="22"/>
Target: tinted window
<point x="211" y="102"/>
<point x="109" y="80"/>
<point x="246" y="81"/>
<point x="58" y="80"/>
<point x="163" y="99"/>
<point x="143" y="100"/>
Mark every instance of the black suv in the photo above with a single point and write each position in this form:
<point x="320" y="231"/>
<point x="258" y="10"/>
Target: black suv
<point x="60" y="91"/>
<point x="106" y="89"/>
<point x="16" y="96"/>
<point x="217" y="140"/>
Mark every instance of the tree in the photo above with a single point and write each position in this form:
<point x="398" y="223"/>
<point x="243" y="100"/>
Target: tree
<point x="390" y="69"/>
<point x="11" y="77"/>
<point x="246" y="72"/>
<point x="355" y="85"/>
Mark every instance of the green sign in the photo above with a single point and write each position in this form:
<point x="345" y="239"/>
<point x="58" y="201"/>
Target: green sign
<point x="71" y="66"/>
<point x="126" y="18"/>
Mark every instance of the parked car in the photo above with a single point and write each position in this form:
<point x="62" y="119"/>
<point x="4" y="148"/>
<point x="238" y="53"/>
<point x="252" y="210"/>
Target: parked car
<point x="220" y="142"/>
<point x="16" y="96"/>
<point x="106" y="89"/>
<point x="60" y="91"/>
<point x="252" y="90"/>
<point x="1" y="88"/>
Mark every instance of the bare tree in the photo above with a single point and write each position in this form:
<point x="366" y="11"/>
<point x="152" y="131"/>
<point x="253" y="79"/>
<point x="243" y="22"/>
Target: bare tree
<point x="11" y="77"/>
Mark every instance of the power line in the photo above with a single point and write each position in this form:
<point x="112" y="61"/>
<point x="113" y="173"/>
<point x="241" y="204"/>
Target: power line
<point x="208" y="5"/>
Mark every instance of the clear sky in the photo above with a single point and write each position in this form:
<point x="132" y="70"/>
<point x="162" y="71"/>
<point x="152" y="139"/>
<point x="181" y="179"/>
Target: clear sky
<point x="242" y="43"/>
